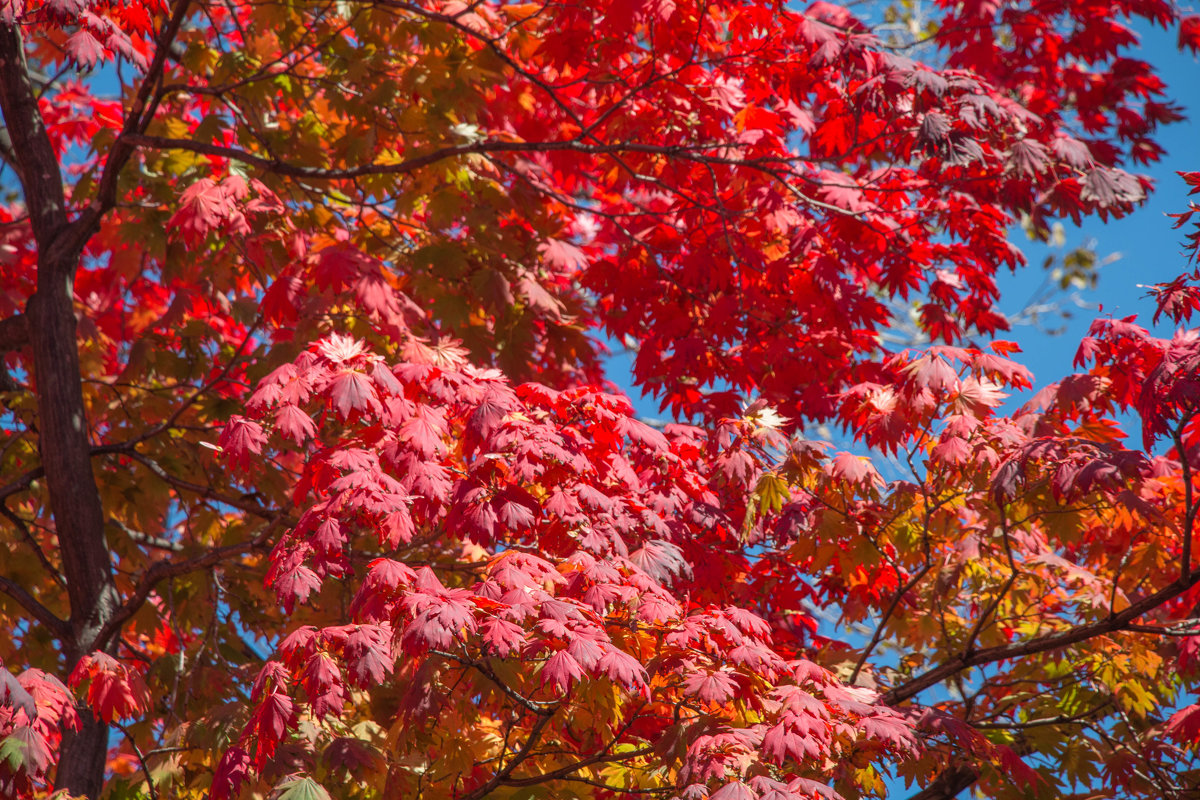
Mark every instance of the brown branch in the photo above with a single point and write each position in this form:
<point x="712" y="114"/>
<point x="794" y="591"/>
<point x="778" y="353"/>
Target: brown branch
<point x="170" y="422"/>
<point x="22" y="483"/>
<point x="532" y="706"/>
<point x="36" y="610"/>
<point x="1040" y="644"/>
<point x="666" y="790"/>
<point x="25" y="481"/>
<point x="689" y="152"/>
<point x="26" y="534"/>
<point x="36" y="162"/>
<point x="535" y="735"/>
<point x="493" y="46"/>
<point x="1081" y="718"/>
<point x="949" y="783"/>
<point x="887" y="615"/>
<point x="204" y="492"/>
<point x="163" y="570"/>
<point x="141" y="113"/>
<point x="1188" y="502"/>
<point x="145" y="539"/>
<point x="775" y="168"/>
<point x="141" y="759"/>
<point x="1053" y="641"/>
<point x="994" y="603"/>
<point x="567" y="771"/>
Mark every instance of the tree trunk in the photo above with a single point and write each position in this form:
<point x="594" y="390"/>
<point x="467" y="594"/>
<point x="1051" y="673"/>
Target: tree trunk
<point x="62" y="419"/>
<point x="75" y="503"/>
<point x="82" y="757"/>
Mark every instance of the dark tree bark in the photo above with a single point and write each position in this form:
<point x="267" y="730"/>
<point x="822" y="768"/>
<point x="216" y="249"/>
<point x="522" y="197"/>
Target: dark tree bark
<point x="49" y="328"/>
<point x="62" y="419"/>
<point x="946" y="786"/>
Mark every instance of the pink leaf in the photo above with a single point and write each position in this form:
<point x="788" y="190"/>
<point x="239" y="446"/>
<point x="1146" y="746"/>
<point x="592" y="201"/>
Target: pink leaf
<point x="15" y="696"/>
<point x="854" y="469"/>
<point x="735" y="790"/>
<point x="561" y="670"/>
<point x="293" y="423"/>
<point x="240" y="439"/>
<point x="352" y="391"/>
<point x="713" y="687"/>
<point x="84" y="49"/>
<point x="563" y="255"/>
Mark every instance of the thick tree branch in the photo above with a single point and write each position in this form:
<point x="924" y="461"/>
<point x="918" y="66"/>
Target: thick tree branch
<point x="62" y="428"/>
<point x="141" y="113"/>
<point x="949" y="783"/>
<point x="36" y="162"/>
<point x="1040" y="644"/>
<point x="74" y="496"/>
<point x="1124" y="620"/>
<point x="35" y="609"/>
<point x="535" y="735"/>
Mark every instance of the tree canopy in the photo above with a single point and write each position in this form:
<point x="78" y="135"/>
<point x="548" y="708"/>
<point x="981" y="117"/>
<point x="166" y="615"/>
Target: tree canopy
<point x="313" y="485"/>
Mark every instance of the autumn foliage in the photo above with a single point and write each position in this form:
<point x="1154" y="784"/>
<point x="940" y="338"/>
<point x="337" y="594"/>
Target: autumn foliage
<point x="314" y="485"/>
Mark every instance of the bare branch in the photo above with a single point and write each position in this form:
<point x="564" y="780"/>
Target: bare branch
<point x="141" y="759"/>
<point x="532" y="706"/>
<point x="994" y="603"/>
<point x="23" y="526"/>
<point x="887" y="614"/>
<point x="146" y="539"/>
<point x="22" y="483"/>
<point x="565" y="772"/>
<point x="205" y="492"/>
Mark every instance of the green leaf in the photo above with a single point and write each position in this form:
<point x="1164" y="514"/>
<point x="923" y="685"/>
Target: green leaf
<point x="299" y="787"/>
<point x="12" y="753"/>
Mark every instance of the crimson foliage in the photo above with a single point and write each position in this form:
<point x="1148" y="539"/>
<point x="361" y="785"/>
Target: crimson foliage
<point x="313" y="485"/>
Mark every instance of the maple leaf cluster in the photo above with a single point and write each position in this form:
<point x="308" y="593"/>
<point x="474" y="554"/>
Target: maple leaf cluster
<point x="316" y="488"/>
<point x="585" y="523"/>
<point x="35" y="708"/>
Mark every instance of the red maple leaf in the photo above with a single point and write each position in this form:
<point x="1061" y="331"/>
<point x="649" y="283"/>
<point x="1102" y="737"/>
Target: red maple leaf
<point x="114" y="691"/>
